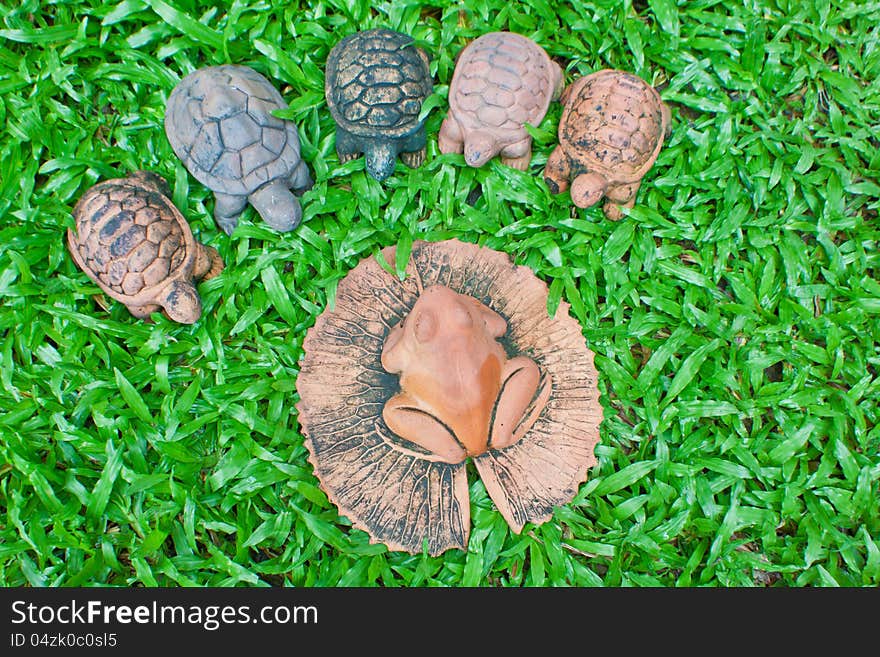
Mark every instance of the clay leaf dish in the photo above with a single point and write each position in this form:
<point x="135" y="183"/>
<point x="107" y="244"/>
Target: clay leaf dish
<point x="522" y="401"/>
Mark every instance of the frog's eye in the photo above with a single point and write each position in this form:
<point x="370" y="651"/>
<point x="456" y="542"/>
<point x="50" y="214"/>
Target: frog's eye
<point x="425" y="326"/>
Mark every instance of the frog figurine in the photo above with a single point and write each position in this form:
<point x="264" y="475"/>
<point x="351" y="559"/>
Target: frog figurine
<point x="460" y="393"/>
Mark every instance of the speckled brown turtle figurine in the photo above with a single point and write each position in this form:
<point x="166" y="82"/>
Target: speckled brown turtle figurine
<point x="375" y="84"/>
<point x="138" y="248"/>
<point x="501" y="81"/>
<point x="610" y="133"/>
<point x="219" y="122"/>
<point x="404" y="382"/>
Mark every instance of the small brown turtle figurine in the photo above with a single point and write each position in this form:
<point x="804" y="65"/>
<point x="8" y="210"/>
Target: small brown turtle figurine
<point x="405" y="381"/>
<point x="610" y="133"/>
<point x="502" y="81"/>
<point x="138" y="248"/>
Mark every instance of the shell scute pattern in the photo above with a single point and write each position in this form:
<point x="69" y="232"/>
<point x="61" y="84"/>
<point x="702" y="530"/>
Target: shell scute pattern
<point x="506" y="72"/>
<point x="378" y="81"/>
<point x="225" y="130"/>
<point x="615" y="122"/>
<point x="129" y="249"/>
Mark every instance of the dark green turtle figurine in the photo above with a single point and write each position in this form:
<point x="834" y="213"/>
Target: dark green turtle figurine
<point x="376" y="82"/>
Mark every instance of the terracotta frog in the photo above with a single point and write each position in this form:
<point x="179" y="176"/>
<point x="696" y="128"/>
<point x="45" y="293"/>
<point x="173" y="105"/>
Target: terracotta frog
<point x="460" y="393"/>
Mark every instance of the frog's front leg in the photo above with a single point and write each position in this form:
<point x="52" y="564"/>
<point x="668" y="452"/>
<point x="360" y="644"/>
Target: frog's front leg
<point x="408" y="419"/>
<point x="520" y="378"/>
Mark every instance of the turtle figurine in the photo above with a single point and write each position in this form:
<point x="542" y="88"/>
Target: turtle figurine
<point x="376" y="82"/>
<point x="610" y="133"/>
<point x="502" y="81"/>
<point x="219" y="122"/>
<point x="138" y="248"/>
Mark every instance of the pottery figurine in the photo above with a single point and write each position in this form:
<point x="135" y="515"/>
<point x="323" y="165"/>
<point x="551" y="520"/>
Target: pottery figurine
<point x="219" y="122"/>
<point x="376" y="82"/>
<point x="612" y="127"/>
<point x="502" y="81"/>
<point x="405" y="383"/>
<point x="135" y="244"/>
<point x="460" y="395"/>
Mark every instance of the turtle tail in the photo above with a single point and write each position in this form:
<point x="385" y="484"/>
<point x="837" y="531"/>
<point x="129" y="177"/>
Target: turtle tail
<point x="152" y="181"/>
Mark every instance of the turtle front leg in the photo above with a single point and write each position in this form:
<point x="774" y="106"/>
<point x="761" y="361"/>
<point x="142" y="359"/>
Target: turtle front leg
<point x="300" y="180"/>
<point x="227" y="209"/>
<point x="143" y="312"/>
<point x="558" y="81"/>
<point x="557" y="171"/>
<point x="450" y="139"/>
<point x="406" y="418"/>
<point x="347" y="145"/>
<point x="622" y="196"/>
<point x="208" y="262"/>
<point x="667" y="118"/>
<point x="518" y="155"/>
<point x="520" y="379"/>
<point x="413" y="160"/>
<point x="412" y="151"/>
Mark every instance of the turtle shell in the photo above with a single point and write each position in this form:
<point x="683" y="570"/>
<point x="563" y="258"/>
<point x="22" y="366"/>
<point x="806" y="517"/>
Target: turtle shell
<point x="405" y="499"/>
<point x="376" y="82"/>
<point x="501" y="81"/>
<point x="219" y="122"/>
<point x="130" y="239"/>
<point x="613" y="123"/>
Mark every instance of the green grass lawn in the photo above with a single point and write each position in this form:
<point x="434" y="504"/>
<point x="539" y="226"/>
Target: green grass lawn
<point x="734" y="314"/>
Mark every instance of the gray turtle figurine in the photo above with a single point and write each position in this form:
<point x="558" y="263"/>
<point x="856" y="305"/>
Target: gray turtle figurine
<point x="138" y="248"/>
<point x="375" y="84"/>
<point x="219" y="122"/>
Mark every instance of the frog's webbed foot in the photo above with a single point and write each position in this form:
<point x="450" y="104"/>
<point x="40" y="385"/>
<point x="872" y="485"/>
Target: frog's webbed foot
<point x="520" y="402"/>
<point x="405" y="417"/>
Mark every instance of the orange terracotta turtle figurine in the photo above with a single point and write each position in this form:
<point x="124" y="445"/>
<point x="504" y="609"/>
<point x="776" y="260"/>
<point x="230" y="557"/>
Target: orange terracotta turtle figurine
<point x="404" y="382"/>
<point x="612" y="127"/>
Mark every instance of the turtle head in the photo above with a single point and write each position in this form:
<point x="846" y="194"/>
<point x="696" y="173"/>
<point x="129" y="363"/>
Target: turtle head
<point x="277" y="205"/>
<point x="181" y="302"/>
<point x="587" y="189"/>
<point x="380" y="160"/>
<point x="479" y="148"/>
